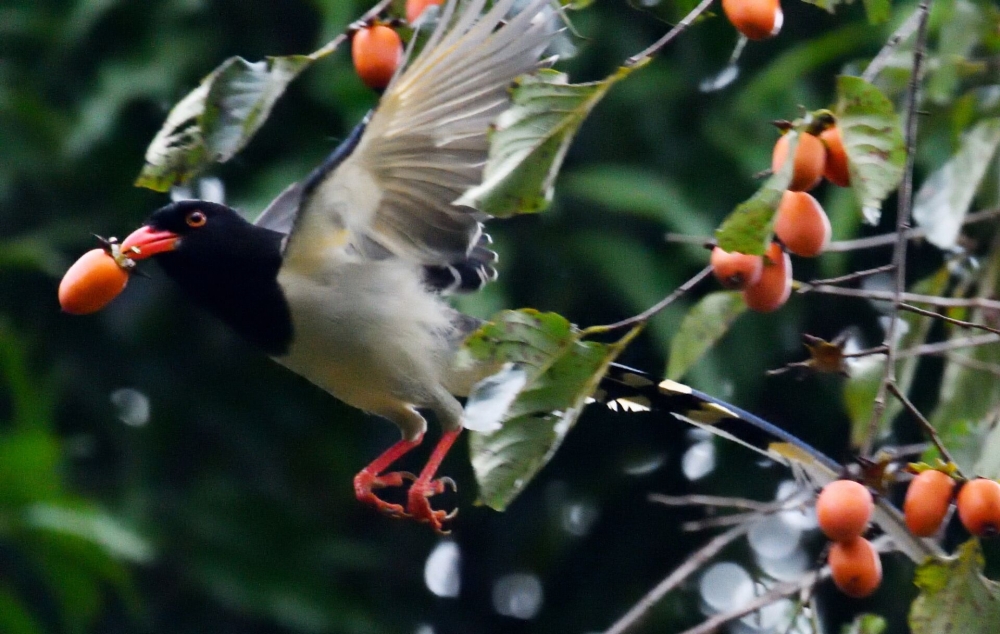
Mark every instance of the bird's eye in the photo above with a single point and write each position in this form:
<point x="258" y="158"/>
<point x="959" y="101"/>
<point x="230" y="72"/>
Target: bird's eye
<point x="196" y="219"/>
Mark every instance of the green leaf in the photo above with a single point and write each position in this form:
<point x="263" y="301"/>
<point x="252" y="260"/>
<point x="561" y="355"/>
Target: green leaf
<point x="963" y="27"/>
<point x="866" y="373"/>
<point x="29" y="468"/>
<point x="748" y="228"/>
<point x="865" y="624"/>
<point x="637" y="192"/>
<point x="551" y="371"/>
<point x="90" y="525"/>
<point x="702" y="327"/>
<point x="14" y="615"/>
<point x="530" y="141"/>
<point x="944" y="198"/>
<point x="965" y="414"/>
<point x="878" y="11"/>
<point x="955" y="596"/>
<point x="218" y="118"/>
<point x="873" y="139"/>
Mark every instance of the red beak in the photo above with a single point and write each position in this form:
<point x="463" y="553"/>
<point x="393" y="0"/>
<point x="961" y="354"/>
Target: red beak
<point x="146" y="241"/>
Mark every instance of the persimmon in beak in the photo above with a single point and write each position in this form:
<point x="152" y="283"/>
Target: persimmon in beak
<point x="147" y="241"/>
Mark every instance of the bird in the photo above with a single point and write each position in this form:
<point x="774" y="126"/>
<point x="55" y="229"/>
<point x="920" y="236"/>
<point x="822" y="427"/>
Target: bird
<point x="343" y="278"/>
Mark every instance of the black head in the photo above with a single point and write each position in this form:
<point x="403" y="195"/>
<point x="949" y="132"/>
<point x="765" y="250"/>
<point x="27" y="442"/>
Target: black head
<point x="224" y="262"/>
<point x="198" y="230"/>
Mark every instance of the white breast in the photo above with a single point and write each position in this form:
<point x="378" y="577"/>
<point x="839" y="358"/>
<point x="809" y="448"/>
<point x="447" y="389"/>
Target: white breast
<point x="369" y="333"/>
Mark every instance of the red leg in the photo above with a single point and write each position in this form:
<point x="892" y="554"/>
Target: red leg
<point x="371" y="477"/>
<point x="419" y="505"/>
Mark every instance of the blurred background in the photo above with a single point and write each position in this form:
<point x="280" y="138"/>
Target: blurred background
<point x="159" y="475"/>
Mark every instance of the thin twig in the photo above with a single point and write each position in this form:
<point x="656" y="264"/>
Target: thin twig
<point x="974" y="364"/>
<point x="690" y="566"/>
<point x="912" y="298"/>
<point x="671" y="34"/>
<point x="776" y="593"/>
<point x="904" y="207"/>
<point x="858" y="244"/>
<point x="721" y="521"/>
<point x="867" y="352"/>
<point x="902" y="34"/>
<point x="947" y="346"/>
<point x="655" y="308"/>
<point x="857" y="275"/>
<point x="712" y="500"/>
<point x="951" y="320"/>
<point x="889" y="239"/>
<point x="332" y="45"/>
<point x="926" y="424"/>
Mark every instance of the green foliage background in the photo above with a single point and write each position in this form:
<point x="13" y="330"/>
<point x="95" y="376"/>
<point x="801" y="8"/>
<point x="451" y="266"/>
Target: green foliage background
<point x="231" y="509"/>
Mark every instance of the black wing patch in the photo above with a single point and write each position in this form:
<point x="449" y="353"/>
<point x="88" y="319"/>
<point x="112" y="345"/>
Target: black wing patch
<point x="465" y="276"/>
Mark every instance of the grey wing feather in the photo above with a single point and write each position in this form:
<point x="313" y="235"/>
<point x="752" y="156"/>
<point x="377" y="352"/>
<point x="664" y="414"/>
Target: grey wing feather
<point x="280" y="214"/>
<point x="426" y="143"/>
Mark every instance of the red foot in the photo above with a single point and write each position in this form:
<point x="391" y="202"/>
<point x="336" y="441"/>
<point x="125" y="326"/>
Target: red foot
<point x="365" y="481"/>
<point x="419" y="504"/>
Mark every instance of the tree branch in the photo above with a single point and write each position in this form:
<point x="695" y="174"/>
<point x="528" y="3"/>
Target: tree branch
<point x="655" y="308"/>
<point x="905" y="205"/>
<point x="671" y="34"/>
<point x="675" y="578"/>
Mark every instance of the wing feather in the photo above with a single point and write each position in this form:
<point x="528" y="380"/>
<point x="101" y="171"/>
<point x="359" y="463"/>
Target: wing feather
<point x="426" y="143"/>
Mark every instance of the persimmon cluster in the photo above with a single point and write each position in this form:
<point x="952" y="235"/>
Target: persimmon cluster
<point x="844" y="509"/>
<point x="931" y="494"/>
<point x="801" y="226"/>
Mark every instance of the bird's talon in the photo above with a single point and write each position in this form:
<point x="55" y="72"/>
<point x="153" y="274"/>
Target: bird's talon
<point x="419" y="505"/>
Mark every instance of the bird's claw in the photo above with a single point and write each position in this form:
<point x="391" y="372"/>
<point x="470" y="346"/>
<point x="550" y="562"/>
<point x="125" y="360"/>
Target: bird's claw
<point x="365" y="482"/>
<point x="419" y="504"/>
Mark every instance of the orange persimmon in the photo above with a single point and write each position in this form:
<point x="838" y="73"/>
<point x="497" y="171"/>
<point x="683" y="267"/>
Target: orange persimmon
<point x="855" y="567"/>
<point x="843" y="509"/>
<point x="810" y="160"/>
<point x="836" y="170"/>
<point x="416" y="8"/>
<point x="756" y="19"/>
<point x="377" y="52"/>
<point x="801" y="224"/>
<point x="775" y="284"/>
<point x="91" y="283"/>
<point x="736" y="270"/>
<point x="979" y="507"/>
<point x="928" y="499"/>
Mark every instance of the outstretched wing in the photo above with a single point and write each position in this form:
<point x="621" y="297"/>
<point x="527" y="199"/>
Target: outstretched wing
<point x="425" y="144"/>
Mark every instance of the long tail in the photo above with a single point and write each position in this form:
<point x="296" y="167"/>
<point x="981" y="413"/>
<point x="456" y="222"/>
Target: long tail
<point x="628" y="389"/>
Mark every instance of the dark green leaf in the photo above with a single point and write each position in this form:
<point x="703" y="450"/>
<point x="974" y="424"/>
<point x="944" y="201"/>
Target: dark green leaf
<point x="552" y="371"/>
<point x="878" y="11"/>
<point x="29" y="468"/>
<point x="955" y="596"/>
<point x="963" y="27"/>
<point x="866" y="373"/>
<point x="530" y="141"/>
<point x="873" y="139"/>
<point x="92" y="525"/>
<point x="218" y="118"/>
<point x="945" y="197"/>
<point x="748" y="228"/>
<point x="14" y="615"/>
<point x="865" y="624"/>
<point x="638" y="192"/>
<point x="966" y="409"/>
<point x="706" y="323"/>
